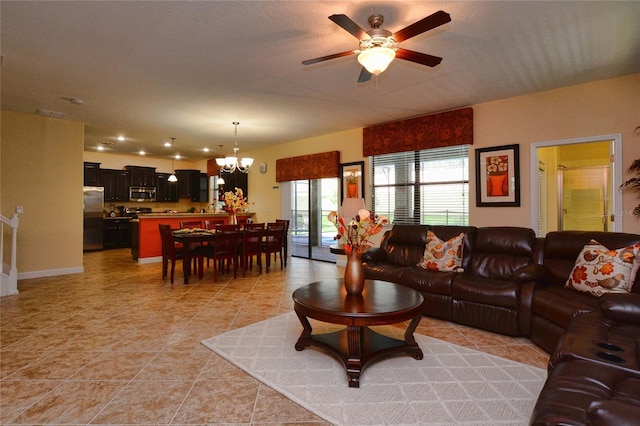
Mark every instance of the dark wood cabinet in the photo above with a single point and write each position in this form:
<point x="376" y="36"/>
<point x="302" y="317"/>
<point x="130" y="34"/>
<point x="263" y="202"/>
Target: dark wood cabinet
<point x="141" y="176"/>
<point x="117" y="233"/>
<point x="190" y="185"/>
<point x="91" y="174"/>
<point x="166" y="191"/>
<point x="236" y="180"/>
<point x="115" y="183"/>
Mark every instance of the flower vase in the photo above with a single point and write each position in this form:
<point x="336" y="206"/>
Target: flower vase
<point x="354" y="273"/>
<point x="233" y="219"/>
<point x="496" y="183"/>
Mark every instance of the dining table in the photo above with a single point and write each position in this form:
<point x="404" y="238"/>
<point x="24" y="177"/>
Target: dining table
<point x="188" y="238"/>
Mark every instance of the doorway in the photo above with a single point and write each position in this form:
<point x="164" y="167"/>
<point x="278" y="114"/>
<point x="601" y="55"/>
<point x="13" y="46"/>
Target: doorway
<point x="573" y="184"/>
<point x="310" y="230"/>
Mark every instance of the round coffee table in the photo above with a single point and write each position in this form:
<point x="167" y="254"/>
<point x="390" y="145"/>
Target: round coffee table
<point x="381" y="303"/>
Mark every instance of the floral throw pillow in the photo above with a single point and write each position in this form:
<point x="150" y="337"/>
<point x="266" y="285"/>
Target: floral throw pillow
<point x="599" y="270"/>
<point x="443" y="255"/>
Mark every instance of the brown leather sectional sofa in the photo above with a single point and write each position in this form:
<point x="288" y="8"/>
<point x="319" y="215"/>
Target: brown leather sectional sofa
<point x="514" y="283"/>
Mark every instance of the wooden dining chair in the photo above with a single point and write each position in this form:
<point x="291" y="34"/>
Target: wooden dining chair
<point x="285" y="241"/>
<point x="273" y="241"/>
<point x="251" y="246"/>
<point x="224" y="248"/>
<point x="212" y="222"/>
<point x="184" y="224"/>
<point x="171" y="253"/>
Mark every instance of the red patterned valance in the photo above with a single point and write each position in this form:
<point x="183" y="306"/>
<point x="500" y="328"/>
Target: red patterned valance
<point x="429" y="131"/>
<point x="312" y="166"/>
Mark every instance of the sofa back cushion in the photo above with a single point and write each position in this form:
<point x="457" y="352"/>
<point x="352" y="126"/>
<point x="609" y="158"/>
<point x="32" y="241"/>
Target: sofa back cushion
<point x="405" y="244"/>
<point x="561" y="249"/>
<point x="500" y="250"/>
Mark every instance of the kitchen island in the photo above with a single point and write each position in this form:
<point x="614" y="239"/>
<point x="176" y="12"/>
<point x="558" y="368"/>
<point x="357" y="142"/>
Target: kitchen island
<point x="146" y="246"/>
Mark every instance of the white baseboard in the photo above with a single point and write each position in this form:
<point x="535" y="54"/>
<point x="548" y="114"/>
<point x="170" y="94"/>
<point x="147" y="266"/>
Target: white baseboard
<point x="145" y="260"/>
<point x="50" y="273"/>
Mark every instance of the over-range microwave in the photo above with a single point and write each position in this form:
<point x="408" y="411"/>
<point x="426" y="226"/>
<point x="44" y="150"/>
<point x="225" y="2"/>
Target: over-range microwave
<point x="142" y="193"/>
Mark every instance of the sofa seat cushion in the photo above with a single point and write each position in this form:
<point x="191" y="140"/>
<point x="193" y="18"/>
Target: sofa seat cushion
<point x="433" y="282"/>
<point x="574" y="385"/>
<point x="560" y="305"/>
<point x="503" y="293"/>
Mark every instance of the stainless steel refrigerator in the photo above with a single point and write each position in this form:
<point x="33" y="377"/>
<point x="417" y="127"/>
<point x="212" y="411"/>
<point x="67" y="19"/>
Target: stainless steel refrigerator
<point x="93" y="205"/>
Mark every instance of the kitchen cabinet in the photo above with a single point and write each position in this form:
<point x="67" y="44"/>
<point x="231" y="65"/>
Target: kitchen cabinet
<point x="117" y="233"/>
<point x="115" y="183"/>
<point x="190" y="186"/>
<point x="141" y="176"/>
<point x="235" y="180"/>
<point x="166" y="191"/>
<point x="91" y="174"/>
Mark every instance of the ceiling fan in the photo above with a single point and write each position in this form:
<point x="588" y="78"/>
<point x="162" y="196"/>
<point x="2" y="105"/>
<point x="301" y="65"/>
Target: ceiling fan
<point x="378" y="46"/>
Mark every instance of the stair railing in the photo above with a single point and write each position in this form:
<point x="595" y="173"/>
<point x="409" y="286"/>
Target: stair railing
<point x="9" y="282"/>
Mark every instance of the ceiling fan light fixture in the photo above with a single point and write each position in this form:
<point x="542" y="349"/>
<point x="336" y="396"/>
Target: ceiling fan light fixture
<point x="376" y="59"/>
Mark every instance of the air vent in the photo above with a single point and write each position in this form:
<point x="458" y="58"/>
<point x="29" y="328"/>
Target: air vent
<point x="47" y="113"/>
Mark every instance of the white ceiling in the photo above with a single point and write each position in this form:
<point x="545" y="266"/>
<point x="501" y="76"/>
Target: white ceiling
<point x="154" y="70"/>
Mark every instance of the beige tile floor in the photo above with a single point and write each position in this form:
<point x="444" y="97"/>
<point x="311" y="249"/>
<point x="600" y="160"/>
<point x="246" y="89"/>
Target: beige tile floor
<point x="118" y="345"/>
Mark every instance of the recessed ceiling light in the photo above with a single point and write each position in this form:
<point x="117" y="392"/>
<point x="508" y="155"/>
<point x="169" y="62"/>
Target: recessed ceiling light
<point x="167" y="144"/>
<point x="100" y="148"/>
<point x="206" y="149"/>
<point x="142" y="153"/>
<point x="120" y="138"/>
<point x="177" y="157"/>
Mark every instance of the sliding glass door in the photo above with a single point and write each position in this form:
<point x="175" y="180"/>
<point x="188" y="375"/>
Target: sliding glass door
<point x="311" y="232"/>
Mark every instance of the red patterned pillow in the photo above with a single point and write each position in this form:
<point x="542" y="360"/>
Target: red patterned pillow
<point x="443" y="255"/>
<point x="599" y="270"/>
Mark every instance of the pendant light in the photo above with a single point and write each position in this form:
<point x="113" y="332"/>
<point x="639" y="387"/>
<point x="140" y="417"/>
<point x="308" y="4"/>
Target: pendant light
<point x="233" y="163"/>
<point x="173" y="177"/>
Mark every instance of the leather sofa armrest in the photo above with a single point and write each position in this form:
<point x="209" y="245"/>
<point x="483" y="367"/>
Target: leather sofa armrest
<point x="611" y="412"/>
<point x="531" y="272"/>
<point x="621" y="306"/>
<point x="374" y="255"/>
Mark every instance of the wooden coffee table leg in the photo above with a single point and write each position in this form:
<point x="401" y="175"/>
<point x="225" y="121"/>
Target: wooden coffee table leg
<point x="412" y="347"/>
<point x="305" y="338"/>
<point x="354" y="355"/>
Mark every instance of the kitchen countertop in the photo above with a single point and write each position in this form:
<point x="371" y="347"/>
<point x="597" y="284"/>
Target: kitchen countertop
<point x="223" y="214"/>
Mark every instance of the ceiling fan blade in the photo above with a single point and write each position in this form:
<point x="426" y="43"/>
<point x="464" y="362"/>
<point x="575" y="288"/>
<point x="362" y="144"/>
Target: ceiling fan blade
<point x="432" y="21"/>
<point x="364" y="75"/>
<point x="417" y="57"/>
<point x="326" y="58"/>
<point x="347" y="24"/>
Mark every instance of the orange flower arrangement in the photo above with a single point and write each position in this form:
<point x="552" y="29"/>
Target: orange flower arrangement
<point x="356" y="234"/>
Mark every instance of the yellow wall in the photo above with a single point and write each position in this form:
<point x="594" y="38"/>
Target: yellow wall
<point x="42" y="162"/>
<point x="591" y="109"/>
<point x="264" y="191"/>
<point x="42" y="171"/>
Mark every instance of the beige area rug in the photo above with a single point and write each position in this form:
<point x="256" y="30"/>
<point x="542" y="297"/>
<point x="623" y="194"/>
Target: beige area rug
<point x="452" y="385"/>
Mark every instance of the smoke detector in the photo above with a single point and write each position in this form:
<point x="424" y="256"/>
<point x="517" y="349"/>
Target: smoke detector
<point x="47" y="113"/>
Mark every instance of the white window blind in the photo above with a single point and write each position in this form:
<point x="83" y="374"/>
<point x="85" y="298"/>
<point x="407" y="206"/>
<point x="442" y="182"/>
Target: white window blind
<point x="422" y="187"/>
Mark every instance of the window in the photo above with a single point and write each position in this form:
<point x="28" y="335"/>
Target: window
<point x="422" y="187"/>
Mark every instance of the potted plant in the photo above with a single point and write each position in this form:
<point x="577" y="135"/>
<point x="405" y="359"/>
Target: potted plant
<point x="634" y="182"/>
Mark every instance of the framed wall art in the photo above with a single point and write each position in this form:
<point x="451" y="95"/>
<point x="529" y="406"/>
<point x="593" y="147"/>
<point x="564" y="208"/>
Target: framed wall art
<point x="498" y="176"/>
<point x="351" y="180"/>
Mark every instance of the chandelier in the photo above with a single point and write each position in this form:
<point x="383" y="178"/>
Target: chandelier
<point x="233" y="163"/>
